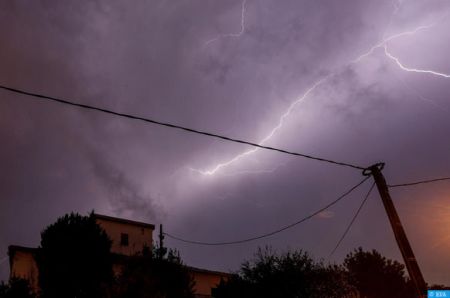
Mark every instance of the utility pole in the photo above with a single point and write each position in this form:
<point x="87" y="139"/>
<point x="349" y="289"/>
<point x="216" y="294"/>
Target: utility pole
<point x="161" y="242"/>
<point x="400" y="236"/>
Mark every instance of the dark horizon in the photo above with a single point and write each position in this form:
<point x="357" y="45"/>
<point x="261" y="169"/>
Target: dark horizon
<point x="360" y="83"/>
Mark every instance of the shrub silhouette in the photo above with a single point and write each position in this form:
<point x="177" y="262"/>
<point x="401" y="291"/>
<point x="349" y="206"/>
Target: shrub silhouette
<point x="74" y="258"/>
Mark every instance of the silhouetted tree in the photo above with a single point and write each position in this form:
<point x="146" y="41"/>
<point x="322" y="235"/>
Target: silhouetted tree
<point x="16" y="288"/>
<point x="375" y="276"/>
<point x="293" y="274"/>
<point x="149" y="275"/>
<point x="74" y="258"/>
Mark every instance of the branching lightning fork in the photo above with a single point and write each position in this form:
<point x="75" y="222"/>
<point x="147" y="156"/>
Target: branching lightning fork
<point x="232" y="35"/>
<point x="390" y="38"/>
<point x="283" y="117"/>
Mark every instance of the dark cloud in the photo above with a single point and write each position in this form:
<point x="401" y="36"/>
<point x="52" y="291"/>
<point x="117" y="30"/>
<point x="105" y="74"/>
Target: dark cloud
<point x="124" y="195"/>
<point x="153" y="59"/>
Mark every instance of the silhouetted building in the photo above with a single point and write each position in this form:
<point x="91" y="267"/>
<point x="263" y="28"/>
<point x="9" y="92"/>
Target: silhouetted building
<point x="128" y="238"/>
<point x="22" y="264"/>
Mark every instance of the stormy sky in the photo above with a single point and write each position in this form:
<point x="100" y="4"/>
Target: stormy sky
<point x="358" y="81"/>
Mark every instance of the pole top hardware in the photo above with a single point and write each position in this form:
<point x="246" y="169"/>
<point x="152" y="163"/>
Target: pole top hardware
<point x="368" y="171"/>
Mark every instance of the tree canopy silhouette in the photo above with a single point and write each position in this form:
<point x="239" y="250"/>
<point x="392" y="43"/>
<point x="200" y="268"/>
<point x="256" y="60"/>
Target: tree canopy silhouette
<point x="74" y="258"/>
<point x="16" y="288"/>
<point x="375" y="276"/>
<point x="292" y="274"/>
<point x="158" y="274"/>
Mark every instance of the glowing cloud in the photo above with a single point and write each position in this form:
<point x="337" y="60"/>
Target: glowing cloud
<point x="382" y="44"/>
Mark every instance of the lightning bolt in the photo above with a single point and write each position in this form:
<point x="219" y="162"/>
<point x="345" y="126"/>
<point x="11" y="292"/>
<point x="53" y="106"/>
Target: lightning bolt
<point x="244" y="172"/>
<point x="232" y="35"/>
<point x="382" y="44"/>
<point x="397" y="6"/>
<point x="408" y="69"/>
<point x="269" y="135"/>
<point x="257" y="172"/>
<point x="388" y="39"/>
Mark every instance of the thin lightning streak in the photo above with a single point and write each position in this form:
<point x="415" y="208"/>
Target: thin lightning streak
<point x="232" y="35"/>
<point x="408" y="69"/>
<point x="269" y="135"/>
<point x="388" y="39"/>
<point x="291" y="108"/>
<point x="245" y="172"/>
<point x="385" y="41"/>
<point x="258" y="172"/>
<point x="224" y="164"/>
<point x="397" y="6"/>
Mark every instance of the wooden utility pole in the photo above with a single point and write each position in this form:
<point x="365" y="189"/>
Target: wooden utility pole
<point x="400" y="236"/>
<point x="161" y="242"/>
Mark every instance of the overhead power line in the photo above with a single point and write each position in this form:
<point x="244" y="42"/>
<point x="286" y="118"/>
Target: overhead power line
<point x="419" y="182"/>
<point x="107" y="111"/>
<point x="352" y="221"/>
<point x="276" y="231"/>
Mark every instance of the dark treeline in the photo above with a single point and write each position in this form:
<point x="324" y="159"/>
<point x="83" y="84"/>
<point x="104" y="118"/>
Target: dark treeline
<point x="75" y="260"/>
<point x="295" y="274"/>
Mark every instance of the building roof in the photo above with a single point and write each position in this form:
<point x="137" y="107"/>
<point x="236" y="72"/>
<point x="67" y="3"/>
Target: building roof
<point x="206" y="271"/>
<point x="124" y="221"/>
<point x="13" y="248"/>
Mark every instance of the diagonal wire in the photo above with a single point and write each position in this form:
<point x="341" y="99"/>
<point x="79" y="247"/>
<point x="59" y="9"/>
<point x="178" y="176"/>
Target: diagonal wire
<point x="353" y="220"/>
<point x="276" y="231"/>
<point x="420" y="182"/>
<point x="107" y="111"/>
